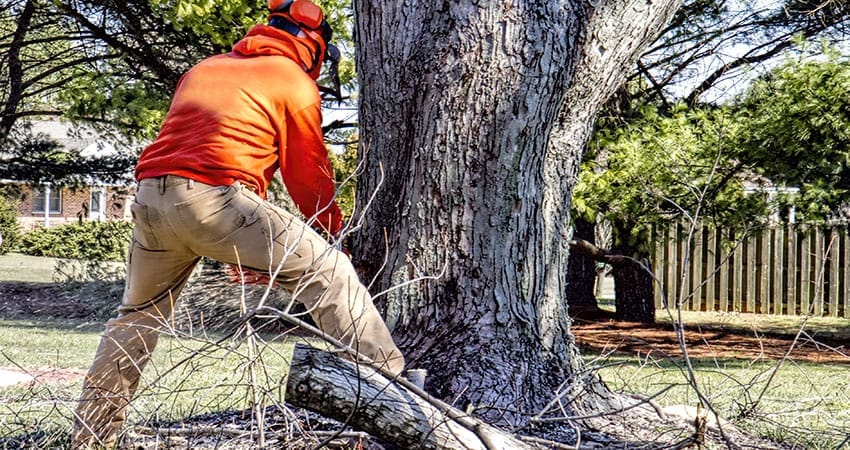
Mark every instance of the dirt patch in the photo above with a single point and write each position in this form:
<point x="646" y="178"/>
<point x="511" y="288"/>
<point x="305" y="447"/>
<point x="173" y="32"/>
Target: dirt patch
<point x="600" y="333"/>
<point x="43" y="376"/>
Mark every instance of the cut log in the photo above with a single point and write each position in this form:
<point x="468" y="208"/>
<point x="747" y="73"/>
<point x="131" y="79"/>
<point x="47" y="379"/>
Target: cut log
<point x="390" y="410"/>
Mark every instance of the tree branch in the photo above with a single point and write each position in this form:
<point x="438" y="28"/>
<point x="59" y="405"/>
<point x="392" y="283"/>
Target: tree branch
<point x="15" y="70"/>
<point x="586" y="248"/>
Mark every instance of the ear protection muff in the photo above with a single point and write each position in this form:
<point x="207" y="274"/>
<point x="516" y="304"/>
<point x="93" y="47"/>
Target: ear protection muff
<point x="302" y="18"/>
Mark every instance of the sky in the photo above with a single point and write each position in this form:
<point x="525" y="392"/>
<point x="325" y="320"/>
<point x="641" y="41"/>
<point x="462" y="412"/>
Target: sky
<point x="738" y="81"/>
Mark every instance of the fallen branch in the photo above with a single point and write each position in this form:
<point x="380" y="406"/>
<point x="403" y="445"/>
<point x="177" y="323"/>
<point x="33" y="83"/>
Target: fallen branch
<point x="366" y="400"/>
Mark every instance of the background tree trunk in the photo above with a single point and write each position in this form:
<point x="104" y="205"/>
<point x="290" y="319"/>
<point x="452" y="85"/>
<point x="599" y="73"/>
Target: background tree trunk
<point x="581" y="273"/>
<point x="473" y="121"/>
<point x="634" y="293"/>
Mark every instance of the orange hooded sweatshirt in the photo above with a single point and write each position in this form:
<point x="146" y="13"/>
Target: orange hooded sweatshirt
<point x="243" y="115"/>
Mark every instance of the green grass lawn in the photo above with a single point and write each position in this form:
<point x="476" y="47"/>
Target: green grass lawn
<point x="825" y="327"/>
<point x="803" y="404"/>
<point x="188" y="375"/>
<point x="806" y="405"/>
<point x="24" y="268"/>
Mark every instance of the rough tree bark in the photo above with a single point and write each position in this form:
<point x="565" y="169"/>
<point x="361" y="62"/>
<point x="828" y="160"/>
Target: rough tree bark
<point x="474" y="116"/>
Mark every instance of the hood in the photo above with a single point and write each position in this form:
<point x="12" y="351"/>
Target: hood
<point x="266" y="40"/>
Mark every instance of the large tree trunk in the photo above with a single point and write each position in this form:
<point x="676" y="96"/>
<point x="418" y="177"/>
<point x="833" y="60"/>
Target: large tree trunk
<point x="473" y="117"/>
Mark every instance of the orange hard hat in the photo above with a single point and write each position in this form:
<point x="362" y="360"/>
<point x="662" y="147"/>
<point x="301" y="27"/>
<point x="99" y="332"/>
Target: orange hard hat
<point x="303" y="12"/>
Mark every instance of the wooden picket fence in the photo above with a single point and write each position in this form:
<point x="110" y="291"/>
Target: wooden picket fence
<point x="793" y="269"/>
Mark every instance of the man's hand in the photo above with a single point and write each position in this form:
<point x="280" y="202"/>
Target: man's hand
<point x="246" y="275"/>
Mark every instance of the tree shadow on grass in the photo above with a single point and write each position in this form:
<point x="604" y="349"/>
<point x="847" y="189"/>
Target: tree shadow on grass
<point x="76" y="301"/>
<point x="54" y="439"/>
<point x="210" y="302"/>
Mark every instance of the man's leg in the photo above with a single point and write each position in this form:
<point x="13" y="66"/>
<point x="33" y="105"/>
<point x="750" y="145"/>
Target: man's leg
<point x="315" y="273"/>
<point x="155" y="278"/>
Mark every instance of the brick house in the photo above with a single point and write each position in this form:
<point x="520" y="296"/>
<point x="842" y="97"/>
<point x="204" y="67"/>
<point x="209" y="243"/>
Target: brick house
<point x="48" y="205"/>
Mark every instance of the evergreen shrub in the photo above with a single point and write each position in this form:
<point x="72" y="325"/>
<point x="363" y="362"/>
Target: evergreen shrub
<point x="10" y="230"/>
<point x="87" y="240"/>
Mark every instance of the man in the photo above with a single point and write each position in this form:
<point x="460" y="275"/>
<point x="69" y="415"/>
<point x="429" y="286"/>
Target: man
<point x="235" y="119"/>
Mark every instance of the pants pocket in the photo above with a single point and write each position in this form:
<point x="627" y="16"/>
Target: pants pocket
<point x="215" y="214"/>
<point x="145" y="221"/>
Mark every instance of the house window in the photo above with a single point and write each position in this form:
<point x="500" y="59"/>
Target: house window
<point x="96" y="201"/>
<point x="39" y="199"/>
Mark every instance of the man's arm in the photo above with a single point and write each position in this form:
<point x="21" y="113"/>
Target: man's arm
<point x="307" y="172"/>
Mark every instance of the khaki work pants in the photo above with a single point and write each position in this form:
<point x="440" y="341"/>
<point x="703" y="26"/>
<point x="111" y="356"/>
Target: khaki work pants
<point x="176" y="221"/>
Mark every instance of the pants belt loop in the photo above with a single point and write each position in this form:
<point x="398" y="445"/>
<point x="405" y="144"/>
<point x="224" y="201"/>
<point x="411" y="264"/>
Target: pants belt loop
<point x="161" y="181"/>
<point x="191" y="184"/>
